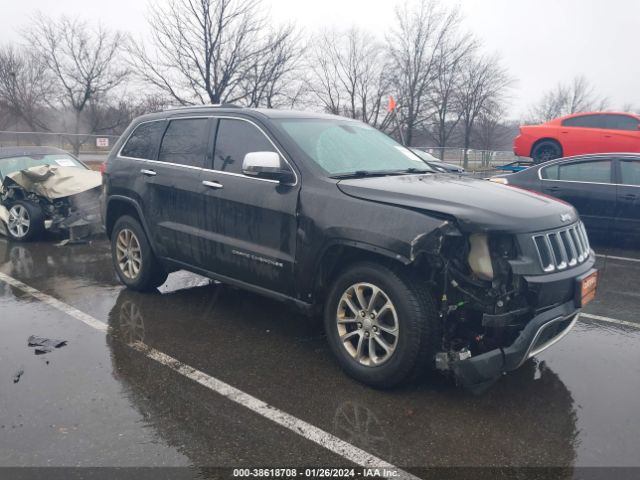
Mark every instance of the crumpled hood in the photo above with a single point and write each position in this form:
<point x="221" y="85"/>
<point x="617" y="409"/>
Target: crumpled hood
<point x="477" y="205"/>
<point x="53" y="182"/>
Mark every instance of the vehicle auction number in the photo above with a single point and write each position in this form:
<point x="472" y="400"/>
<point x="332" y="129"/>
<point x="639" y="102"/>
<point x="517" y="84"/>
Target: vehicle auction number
<point x="312" y="473"/>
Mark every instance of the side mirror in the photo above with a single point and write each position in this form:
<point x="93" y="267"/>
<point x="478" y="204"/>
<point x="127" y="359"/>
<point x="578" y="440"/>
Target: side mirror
<point x="266" y="165"/>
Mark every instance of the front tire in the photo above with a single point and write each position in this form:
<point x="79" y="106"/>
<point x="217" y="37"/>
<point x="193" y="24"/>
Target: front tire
<point x="134" y="260"/>
<point x="381" y="324"/>
<point x="546" y="150"/>
<point x="26" y="221"/>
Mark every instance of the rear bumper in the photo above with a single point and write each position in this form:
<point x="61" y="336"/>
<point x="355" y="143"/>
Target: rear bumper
<point x="522" y="145"/>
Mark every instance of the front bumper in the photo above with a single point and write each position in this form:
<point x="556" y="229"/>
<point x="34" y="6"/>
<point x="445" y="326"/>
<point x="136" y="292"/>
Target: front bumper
<point x="542" y="331"/>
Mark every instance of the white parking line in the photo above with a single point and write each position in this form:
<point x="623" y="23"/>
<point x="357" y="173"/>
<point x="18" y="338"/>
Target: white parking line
<point x="609" y="320"/>
<point x="613" y="257"/>
<point x="57" y="304"/>
<point x="294" y="424"/>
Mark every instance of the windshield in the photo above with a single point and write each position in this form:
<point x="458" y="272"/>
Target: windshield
<point x="15" y="164"/>
<point x="348" y="147"/>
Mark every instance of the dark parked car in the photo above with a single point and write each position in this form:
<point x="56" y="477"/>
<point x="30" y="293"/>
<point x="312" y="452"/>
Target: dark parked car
<point x="412" y="269"/>
<point x="437" y="164"/>
<point x="604" y="188"/>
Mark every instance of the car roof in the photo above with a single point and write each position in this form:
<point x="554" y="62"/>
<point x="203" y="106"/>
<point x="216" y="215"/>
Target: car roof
<point x="587" y="156"/>
<point x="269" y="113"/>
<point x="592" y="155"/>
<point x="582" y="114"/>
<point x="10" y="152"/>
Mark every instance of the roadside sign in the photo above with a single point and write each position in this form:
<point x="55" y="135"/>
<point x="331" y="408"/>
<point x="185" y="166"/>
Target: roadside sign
<point x="392" y="104"/>
<point x="102" y="142"/>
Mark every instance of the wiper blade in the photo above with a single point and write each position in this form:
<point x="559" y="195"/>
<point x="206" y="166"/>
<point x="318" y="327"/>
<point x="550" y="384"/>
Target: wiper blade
<point x="379" y="173"/>
<point x="361" y="174"/>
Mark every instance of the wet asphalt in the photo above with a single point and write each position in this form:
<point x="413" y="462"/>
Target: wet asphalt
<point x="98" y="402"/>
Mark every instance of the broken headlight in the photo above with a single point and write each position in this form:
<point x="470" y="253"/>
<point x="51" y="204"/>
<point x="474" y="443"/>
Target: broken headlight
<point x="488" y="255"/>
<point x="480" y="256"/>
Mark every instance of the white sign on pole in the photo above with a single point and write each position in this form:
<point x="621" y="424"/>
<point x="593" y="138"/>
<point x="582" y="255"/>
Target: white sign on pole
<point x="102" y="142"/>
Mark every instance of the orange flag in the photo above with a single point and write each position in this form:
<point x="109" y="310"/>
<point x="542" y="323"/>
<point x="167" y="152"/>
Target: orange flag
<point x="392" y="103"/>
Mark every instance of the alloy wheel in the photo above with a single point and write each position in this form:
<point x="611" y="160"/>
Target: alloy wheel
<point x="367" y="324"/>
<point x="19" y="221"/>
<point x="128" y="253"/>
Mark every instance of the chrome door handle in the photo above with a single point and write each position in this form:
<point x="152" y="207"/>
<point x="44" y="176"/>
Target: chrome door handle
<point x="148" y="173"/>
<point x="209" y="184"/>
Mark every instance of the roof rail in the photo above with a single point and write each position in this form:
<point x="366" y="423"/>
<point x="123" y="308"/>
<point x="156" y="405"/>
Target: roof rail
<point x="206" y="105"/>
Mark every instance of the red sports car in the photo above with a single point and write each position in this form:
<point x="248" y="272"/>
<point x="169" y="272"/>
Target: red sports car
<point x="597" y="132"/>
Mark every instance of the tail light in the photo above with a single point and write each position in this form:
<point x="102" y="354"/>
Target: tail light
<point x="103" y="168"/>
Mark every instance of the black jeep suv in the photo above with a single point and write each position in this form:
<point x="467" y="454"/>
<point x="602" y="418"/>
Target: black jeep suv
<point x="412" y="269"/>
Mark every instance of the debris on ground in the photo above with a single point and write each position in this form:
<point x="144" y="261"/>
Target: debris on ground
<point x="17" y="375"/>
<point x="44" y="345"/>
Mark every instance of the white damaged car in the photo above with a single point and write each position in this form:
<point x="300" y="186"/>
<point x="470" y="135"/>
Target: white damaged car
<point x="46" y="189"/>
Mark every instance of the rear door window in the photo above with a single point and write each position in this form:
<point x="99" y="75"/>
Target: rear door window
<point x="585" y="121"/>
<point x="234" y="140"/>
<point x="596" y="171"/>
<point x="185" y="142"/>
<point x="630" y="172"/>
<point x="143" y="142"/>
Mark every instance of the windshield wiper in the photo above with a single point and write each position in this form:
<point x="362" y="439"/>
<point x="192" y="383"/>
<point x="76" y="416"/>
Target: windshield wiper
<point x="379" y="173"/>
<point x="362" y="173"/>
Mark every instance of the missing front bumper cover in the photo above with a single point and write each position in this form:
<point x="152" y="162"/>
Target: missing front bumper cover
<point x="542" y="331"/>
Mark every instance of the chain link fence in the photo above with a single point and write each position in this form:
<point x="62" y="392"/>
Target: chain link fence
<point x="481" y="161"/>
<point x="86" y="146"/>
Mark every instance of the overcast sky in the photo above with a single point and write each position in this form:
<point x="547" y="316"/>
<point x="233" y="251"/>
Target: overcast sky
<point x="541" y="42"/>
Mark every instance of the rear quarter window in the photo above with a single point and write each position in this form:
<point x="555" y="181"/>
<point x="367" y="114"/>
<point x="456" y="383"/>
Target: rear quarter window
<point x="630" y="172"/>
<point x="143" y="142"/>
<point x="621" y="122"/>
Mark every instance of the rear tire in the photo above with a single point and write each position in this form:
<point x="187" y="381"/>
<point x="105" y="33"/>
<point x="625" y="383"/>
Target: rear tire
<point x="26" y="221"/>
<point x="133" y="259"/>
<point x="348" y="324"/>
<point x="546" y="150"/>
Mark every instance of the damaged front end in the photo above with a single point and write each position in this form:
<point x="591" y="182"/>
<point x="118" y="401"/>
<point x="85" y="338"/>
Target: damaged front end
<point x="503" y="298"/>
<point x="59" y="199"/>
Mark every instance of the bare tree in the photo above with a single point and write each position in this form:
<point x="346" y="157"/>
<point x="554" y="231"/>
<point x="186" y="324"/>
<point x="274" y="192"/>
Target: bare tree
<point x="348" y="75"/>
<point x="25" y="84"/>
<point x="490" y="129"/>
<point x="423" y="27"/>
<point x="84" y="61"/>
<point x="629" y="107"/>
<point x="482" y="90"/>
<point x="578" y="96"/>
<point x="442" y="98"/>
<point x="273" y="79"/>
<point x="111" y="116"/>
<point x="214" y="51"/>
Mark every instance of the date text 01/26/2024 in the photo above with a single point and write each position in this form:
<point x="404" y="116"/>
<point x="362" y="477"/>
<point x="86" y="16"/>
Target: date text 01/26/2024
<point x="315" y="473"/>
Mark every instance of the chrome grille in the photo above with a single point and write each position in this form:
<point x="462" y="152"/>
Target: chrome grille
<point x="563" y="248"/>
